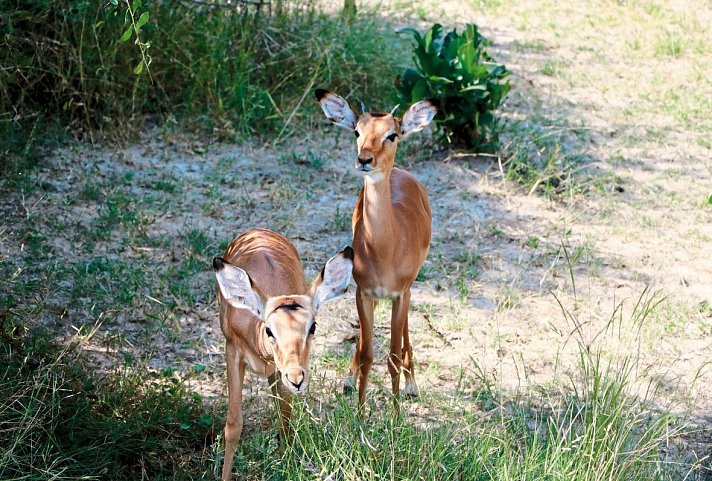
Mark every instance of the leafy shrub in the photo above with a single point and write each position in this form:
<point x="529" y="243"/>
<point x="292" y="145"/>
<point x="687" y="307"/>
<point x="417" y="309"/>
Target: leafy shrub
<point x="456" y="70"/>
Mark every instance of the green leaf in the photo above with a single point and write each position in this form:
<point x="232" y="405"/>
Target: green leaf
<point x="431" y="39"/>
<point x="441" y="80"/>
<point x="114" y="2"/>
<point x="205" y="421"/>
<point x="422" y="59"/>
<point x="451" y="44"/>
<point x="136" y="5"/>
<point x="411" y="75"/>
<point x="127" y="34"/>
<point x="419" y="91"/>
<point x="474" y="87"/>
<point x="142" y="20"/>
<point x="487" y="120"/>
<point x="709" y="201"/>
<point x="498" y="71"/>
<point x="139" y="68"/>
<point x="199" y="367"/>
<point x="414" y="33"/>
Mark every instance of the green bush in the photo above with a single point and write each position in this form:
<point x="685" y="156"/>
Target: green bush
<point x="456" y="70"/>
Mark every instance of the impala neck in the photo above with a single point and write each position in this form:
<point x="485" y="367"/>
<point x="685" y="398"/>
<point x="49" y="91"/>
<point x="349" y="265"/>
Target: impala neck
<point x="378" y="216"/>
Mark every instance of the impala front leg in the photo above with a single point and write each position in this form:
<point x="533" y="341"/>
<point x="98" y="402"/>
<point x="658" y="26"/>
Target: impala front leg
<point x="363" y="357"/>
<point x="233" y="424"/>
<point x="399" y="318"/>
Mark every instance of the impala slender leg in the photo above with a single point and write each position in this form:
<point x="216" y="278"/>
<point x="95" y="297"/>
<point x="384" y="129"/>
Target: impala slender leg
<point x="233" y="424"/>
<point x="399" y="315"/>
<point x="363" y="357"/>
<point x="283" y="403"/>
<point x="411" y="388"/>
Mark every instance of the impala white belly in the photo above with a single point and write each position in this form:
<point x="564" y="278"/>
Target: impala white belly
<point x="382" y="293"/>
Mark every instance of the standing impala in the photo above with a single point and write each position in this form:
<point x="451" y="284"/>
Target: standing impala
<point x="391" y="229"/>
<point x="267" y="317"/>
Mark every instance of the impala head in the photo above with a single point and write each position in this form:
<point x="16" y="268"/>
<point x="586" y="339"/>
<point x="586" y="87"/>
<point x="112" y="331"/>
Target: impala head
<point x="288" y="322"/>
<point x="377" y="133"/>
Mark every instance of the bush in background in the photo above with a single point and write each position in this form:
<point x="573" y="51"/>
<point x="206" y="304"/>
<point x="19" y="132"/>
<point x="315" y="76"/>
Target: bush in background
<point x="456" y="70"/>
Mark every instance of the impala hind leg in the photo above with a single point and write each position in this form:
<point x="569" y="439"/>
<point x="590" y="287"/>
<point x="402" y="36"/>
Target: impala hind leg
<point x="411" y="388"/>
<point x="363" y="357"/>
<point x="233" y="424"/>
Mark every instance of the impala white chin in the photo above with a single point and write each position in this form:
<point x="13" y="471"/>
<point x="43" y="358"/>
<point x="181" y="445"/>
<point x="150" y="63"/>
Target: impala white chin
<point x="295" y="390"/>
<point x="296" y="380"/>
<point x="371" y="174"/>
<point x="363" y="167"/>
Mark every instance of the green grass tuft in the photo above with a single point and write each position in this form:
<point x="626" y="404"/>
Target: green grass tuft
<point x="60" y="420"/>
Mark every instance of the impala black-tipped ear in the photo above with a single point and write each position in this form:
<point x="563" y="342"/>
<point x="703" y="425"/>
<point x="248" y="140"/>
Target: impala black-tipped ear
<point x="336" y="109"/>
<point x="333" y="281"/>
<point x="218" y="263"/>
<point x="418" y="116"/>
<point x="237" y="287"/>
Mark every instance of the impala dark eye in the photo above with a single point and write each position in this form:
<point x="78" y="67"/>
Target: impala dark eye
<point x="268" y="331"/>
<point x="312" y="329"/>
<point x="392" y="137"/>
<point x="356" y="133"/>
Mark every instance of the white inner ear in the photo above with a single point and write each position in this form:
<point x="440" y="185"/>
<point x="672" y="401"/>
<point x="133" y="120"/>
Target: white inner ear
<point x="236" y="288"/>
<point x="417" y="117"/>
<point x="337" y="110"/>
<point x="337" y="276"/>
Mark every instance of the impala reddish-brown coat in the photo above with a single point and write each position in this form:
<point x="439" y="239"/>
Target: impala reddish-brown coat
<point x="391" y="228"/>
<point x="267" y="316"/>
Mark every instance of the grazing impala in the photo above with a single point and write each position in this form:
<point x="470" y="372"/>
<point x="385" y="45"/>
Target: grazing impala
<point x="267" y="317"/>
<point x="391" y="229"/>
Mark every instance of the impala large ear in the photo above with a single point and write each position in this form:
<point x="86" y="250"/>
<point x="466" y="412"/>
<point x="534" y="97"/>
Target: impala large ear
<point x="334" y="279"/>
<point x="337" y="109"/>
<point x="418" y="116"/>
<point x="237" y="287"/>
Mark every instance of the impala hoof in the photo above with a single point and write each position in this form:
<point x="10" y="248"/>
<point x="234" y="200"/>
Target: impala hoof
<point x="349" y="385"/>
<point x="411" y="390"/>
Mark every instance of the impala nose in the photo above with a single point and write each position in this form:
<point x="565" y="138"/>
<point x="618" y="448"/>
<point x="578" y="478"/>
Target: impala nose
<point x="365" y="161"/>
<point x="295" y="377"/>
